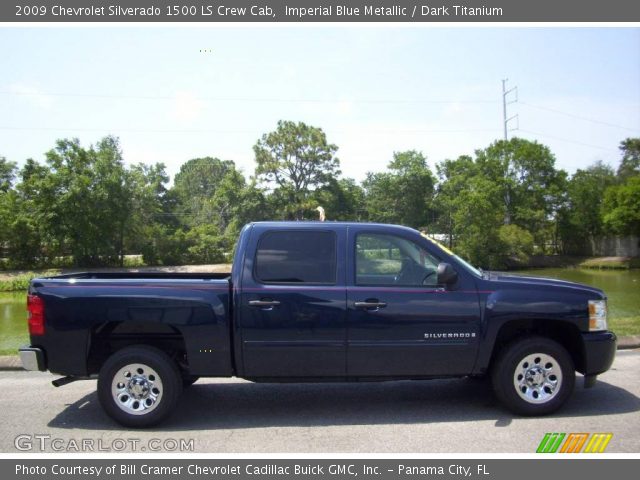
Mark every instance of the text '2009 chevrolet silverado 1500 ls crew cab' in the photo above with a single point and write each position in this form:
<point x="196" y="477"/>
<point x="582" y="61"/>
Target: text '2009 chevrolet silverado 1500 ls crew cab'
<point x="318" y="301"/>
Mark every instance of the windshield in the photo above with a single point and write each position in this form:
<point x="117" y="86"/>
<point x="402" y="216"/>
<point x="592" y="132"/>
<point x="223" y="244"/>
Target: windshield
<point x="473" y="269"/>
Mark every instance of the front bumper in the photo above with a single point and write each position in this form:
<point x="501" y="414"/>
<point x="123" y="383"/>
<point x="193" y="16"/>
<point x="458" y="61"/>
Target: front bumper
<point x="599" y="351"/>
<point x="32" y="358"/>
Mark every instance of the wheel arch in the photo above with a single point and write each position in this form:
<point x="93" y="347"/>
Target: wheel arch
<point x="565" y="333"/>
<point x="110" y="337"/>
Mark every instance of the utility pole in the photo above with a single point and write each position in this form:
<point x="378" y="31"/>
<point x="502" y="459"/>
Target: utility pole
<point x="506" y="120"/>
<point x="509" y="167"/>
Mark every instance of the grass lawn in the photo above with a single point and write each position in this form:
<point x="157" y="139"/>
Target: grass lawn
<point x="625" y="325"/>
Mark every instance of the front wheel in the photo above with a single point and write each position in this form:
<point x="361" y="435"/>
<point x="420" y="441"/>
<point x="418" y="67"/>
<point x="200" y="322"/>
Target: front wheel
<point x="139" y="386"/>
<point x="533" y="376"/>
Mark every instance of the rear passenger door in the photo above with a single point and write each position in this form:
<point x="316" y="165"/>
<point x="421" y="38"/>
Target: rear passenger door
<point x="293" y="303"/>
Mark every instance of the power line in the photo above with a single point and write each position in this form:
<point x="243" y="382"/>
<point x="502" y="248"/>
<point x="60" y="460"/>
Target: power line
<point x="587" y="119"/>
<point x="568" y="140"/>
<point x="505" y="92"/>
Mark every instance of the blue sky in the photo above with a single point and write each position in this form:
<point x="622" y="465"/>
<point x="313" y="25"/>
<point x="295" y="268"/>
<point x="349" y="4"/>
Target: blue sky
<point x="374" y="90"/>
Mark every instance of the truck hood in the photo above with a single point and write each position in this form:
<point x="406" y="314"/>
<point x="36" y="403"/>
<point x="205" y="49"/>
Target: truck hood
<point x="542" y="283"/>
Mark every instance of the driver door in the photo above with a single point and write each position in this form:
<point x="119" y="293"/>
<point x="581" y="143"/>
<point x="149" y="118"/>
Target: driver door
<point x="400" y="322"/>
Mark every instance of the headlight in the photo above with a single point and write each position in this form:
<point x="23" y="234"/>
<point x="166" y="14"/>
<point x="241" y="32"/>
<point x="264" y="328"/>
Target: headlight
<point x="597" y="315"/>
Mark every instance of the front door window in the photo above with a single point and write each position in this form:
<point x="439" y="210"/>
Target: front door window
<point x="389" y="260"/>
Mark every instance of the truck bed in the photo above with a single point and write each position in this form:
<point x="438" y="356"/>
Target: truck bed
<point x="184" y="312"/>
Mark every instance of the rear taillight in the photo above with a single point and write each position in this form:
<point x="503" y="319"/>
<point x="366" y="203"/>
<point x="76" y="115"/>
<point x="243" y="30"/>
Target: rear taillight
<point x="35" y="307"/>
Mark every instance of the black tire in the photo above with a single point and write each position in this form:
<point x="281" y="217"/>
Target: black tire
<point x="188" y="380"/>
<point x="533" y="376"/>
<point x="150" y="390"/>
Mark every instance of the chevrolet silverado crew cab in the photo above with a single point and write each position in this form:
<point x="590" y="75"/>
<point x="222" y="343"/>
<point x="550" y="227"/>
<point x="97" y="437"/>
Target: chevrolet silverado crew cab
<point x="318" y="301"/>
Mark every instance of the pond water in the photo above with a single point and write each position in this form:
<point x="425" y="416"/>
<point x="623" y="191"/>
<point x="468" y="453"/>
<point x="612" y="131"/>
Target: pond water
<point x="621" y="286"/>
<point x="13" y="321"/>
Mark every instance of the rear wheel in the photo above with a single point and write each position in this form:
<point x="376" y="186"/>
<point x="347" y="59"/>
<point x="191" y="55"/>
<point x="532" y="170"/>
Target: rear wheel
<point x="533" y="376"/>
<point x="139" y="386"/>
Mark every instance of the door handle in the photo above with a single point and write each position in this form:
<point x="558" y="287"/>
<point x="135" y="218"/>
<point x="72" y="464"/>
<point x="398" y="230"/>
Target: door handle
<point x="264" y="303"/>
<point x="370" y="305"/>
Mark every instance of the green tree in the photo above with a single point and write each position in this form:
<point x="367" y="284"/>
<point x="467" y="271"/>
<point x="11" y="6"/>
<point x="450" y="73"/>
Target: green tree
<point x="580" y="217"/>
<point x="81" y="201"/>
<point x="453" y="178"/>
<point x="293" y="161"/>
<point x="621" y="203"/>
<point x="630" y="163"/>
<point x="211" y="201"/>
<point x="63" y="204"/>
<point x="478" y="218"/>
<point x="205" y="245"/>
<point x="342" y="199"/>
<point x="497" y="207"/>
<point x="151" y="222"/>
<point x="404" y="194"/>
<point x="516" y="244"/>
<point x="236" y="202"/>
<point x="530" y="186"/>
<point x="7" y="174"/>
<point x="26" y="233"/>
<point x="19" y="233"/>
<point x="111" y="197"/>
<point x="621" y="207"/>
<point x="194" y="187"/>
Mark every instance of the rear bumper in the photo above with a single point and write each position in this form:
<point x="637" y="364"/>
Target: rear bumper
<point x="599" y="351"/>
<point x="32" y="358"/>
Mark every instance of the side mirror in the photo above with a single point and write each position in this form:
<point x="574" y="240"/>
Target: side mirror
<point x="446" y="274"/>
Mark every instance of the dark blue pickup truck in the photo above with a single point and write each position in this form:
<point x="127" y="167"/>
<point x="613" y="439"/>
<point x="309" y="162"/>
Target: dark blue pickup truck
<point x="318" y="301"/>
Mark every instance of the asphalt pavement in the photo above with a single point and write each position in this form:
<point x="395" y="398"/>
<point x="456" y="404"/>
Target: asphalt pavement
<point x="235" y="416"/>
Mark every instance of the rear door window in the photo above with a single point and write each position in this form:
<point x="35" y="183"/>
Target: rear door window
<point x="295" y="256"/>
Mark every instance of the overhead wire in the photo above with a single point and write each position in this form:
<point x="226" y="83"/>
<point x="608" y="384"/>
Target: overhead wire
<point x="576" y="142"/>
<point x="579" y="117"/>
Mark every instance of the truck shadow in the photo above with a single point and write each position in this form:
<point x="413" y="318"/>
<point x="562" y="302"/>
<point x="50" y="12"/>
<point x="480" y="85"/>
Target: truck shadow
<point x="236" y="405"/>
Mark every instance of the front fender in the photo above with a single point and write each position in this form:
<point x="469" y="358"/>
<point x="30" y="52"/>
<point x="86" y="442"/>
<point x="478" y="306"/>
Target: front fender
<point x="527" y="310"/>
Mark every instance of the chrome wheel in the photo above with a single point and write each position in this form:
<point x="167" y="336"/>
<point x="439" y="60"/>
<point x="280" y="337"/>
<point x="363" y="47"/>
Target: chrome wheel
<point x="538" y="378"/>
<point x="137" y="389"/>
